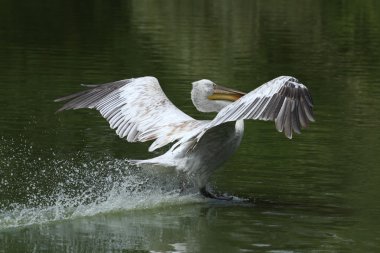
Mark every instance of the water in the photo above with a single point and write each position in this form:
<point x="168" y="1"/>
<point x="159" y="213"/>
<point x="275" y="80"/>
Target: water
<point x="66" y="185"/>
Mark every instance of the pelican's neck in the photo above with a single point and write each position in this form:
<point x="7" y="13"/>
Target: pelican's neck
<point x="239" y="127"/>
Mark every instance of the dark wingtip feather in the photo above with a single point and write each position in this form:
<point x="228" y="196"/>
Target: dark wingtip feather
<point x="87" y="98"/>
<point x="89" y="85"/>
<point x="71" y="96"/>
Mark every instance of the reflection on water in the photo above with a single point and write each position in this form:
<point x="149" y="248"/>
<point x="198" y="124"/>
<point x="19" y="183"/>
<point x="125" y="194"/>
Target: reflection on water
<point x="65" y="184"/>
<point x="189" y="227"/>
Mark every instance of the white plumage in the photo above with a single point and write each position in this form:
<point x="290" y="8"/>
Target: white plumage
<point x="139" y="111"/>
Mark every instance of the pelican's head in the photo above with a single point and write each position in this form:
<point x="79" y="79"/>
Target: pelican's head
<point x="210" y="97"/>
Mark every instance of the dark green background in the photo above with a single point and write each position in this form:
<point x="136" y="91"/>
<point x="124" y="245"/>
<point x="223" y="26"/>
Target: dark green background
<point x="65" y="184"/>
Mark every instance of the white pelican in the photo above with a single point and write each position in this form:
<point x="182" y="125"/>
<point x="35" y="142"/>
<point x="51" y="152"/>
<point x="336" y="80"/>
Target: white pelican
<point x="139" y="111"/>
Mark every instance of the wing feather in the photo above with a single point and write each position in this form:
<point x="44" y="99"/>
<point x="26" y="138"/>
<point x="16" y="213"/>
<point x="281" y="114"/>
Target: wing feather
<point x="283" y="100"/>
<point x="137" y="109"/>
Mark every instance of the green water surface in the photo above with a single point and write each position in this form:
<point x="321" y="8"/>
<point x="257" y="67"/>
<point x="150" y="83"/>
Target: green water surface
<point x="65" y="184"/>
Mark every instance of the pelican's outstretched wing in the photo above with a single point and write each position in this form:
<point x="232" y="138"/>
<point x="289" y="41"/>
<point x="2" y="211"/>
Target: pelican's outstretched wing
<point x="283" y="99"/>
<point x="137" y="108"/>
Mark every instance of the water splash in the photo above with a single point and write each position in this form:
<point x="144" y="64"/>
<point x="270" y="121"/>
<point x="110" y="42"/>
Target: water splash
<point x="37" y="190"/>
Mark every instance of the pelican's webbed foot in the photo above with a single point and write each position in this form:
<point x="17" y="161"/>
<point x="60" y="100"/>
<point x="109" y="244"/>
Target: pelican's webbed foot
<point x="210" y="195"/>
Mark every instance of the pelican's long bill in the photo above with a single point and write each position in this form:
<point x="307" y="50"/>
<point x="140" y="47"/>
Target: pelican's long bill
<point x="223" y="93"/>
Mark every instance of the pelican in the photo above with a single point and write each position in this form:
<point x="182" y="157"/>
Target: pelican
<point x="139" y="111"/>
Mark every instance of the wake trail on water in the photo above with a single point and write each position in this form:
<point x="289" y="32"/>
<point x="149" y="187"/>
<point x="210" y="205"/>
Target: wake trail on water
<point x="40" y="187"/>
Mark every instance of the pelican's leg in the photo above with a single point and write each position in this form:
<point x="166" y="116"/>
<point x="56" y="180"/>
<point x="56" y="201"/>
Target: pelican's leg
<point x="210" y="195"/>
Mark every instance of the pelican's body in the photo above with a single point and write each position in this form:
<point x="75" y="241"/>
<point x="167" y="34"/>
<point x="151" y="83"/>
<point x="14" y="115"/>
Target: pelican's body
<point x="210" y="153"/>
<point x="139" y="111"/>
